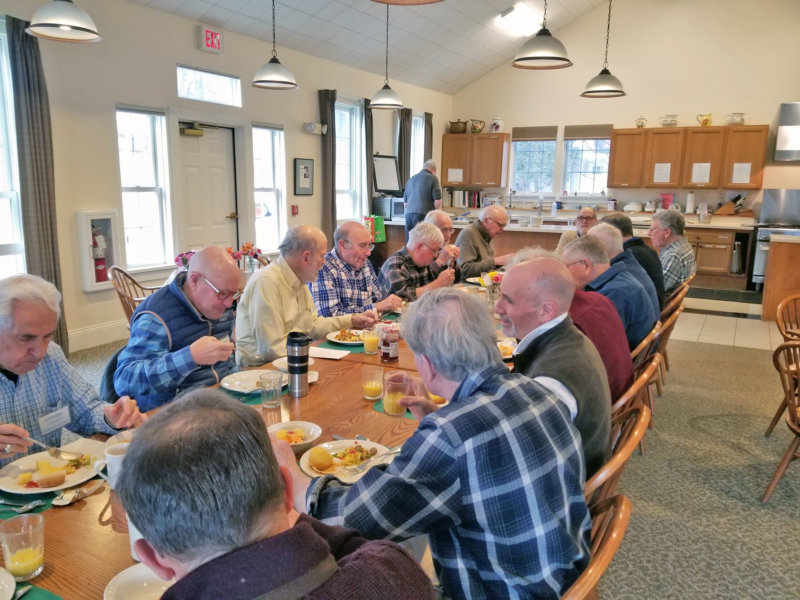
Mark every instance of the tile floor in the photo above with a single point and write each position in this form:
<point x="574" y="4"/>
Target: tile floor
<point x="723" y="329"/>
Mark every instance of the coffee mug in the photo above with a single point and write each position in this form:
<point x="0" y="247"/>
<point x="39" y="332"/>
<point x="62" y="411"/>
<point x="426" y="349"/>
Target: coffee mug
<point x="112" y="462"/>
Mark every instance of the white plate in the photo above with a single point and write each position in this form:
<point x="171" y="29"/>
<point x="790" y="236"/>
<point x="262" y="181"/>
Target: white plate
<point x="332" y="338"/>
<point x="311" y="432"/>
<point x="342" y="473"/>
<point x="475" y="280"/>
<point x="283" y="365"/>
<point x="7" y="585"/>
<point x="9" y="473"/>
<point x="136" y="583"/>
<point x="246" y="382"/>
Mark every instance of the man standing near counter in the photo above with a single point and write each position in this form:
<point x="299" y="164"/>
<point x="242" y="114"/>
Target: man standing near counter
<point x="422" y="194"/>
<point x="676" y="254"/>
<point x="474" y="242"/>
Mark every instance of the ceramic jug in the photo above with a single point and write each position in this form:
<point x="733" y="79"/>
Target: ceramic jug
<point x="496" y="125"/>
<point x="477" y="125"/>
<point x="641" y="122"/>
<point x="704" y="120"/>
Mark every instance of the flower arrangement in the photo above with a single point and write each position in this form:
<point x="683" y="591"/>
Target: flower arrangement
<point x="249" y="253"/>
<point x="182" y="260"/>
<point x="491" y="281"/>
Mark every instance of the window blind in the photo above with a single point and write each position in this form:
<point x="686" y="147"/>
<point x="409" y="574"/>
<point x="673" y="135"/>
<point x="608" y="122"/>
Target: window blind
<point x="519" y="134"/>
<point x="587" y="132"/>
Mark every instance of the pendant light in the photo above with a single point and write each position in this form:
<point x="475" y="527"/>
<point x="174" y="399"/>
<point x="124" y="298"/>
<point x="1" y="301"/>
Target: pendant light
<point x="273" y="75"/>
<point x="542" y="51"/>
<point x="407" y="2"/>
<point x="386" y="97"/>
<point x="62" y="21"/>
<point x="604" y="85"/>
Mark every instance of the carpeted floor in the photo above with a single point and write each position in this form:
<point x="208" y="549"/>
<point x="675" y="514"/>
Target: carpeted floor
<point x="699" y="529"/>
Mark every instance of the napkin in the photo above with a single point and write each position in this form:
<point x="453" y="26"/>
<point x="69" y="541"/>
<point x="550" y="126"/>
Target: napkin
<point x="37" y="593"/>
<point x="323" y="352"/>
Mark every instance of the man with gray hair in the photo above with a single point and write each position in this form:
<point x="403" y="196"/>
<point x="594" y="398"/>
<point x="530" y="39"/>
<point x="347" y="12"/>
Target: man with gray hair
<point x="677" y="257"/>
<point x="494" y="478"/>
<point x="202" y="485"/>
<point x="477" y="254"/>
<point x="419" y="266"/>
<point x="422" y="194"/>
<point x="277" y="301"/>
<point x="39" y="391"/>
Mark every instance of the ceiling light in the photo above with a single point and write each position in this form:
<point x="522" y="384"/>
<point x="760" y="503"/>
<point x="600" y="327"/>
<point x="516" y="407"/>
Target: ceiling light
<point x="518" y="21"/>
<point x="386" y="97"/>
<point x="604" y="85"/>
<point x="542" y="51"/>
<point x="407" y="2"/>
<point x="62" y="21"/>
<point x="273" y="75"/>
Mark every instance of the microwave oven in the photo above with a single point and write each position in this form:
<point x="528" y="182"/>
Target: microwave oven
<point x="398" y="209"/>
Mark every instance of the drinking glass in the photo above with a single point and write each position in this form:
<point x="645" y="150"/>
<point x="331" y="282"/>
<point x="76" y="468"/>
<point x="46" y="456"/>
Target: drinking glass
<point x="271" y="383"/>
<point x="22" y="539"/>
<point x="372" y="380"/>
<point x="395" y="385"/>
<point x="371" y="340"/>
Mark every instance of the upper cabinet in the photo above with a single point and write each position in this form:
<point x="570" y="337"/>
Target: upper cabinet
<point x="745" y="152"/>
<point x="479" y="159"/>
<point x="663" y="156"/>
<point x="625" y="158"/>
<point x="702" y="159"/>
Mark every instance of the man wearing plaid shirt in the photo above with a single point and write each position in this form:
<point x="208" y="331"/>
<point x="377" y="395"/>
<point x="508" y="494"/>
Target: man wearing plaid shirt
<point x="494" y="478"/>
<point x="347" y="282"/>
<point x="676" y="254"/>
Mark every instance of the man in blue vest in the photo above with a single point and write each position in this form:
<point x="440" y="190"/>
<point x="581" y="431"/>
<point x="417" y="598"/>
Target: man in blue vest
<point x="181" y="335"/>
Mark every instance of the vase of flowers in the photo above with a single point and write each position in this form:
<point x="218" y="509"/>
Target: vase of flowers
<point x="246" y="256"/>
<point x="491" y="281"/>
<point x="182" y="260"/>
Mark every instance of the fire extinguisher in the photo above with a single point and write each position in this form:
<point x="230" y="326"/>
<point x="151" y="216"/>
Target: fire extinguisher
<point x="99" y="256"/>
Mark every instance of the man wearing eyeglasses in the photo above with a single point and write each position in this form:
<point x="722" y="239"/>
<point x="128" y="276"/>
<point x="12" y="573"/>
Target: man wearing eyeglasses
<point x="586" y="219"/>
<point x="474" y="242"/>
<point x="347" y="283"/>
<point x="181" y="334"/>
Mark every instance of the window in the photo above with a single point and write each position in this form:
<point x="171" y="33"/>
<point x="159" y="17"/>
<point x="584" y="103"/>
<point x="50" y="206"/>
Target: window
<point x="586" y="149"/>
<point x="534" y="166"/>
<point x="269" y="187"/>
<point x="207" y="86"/>
<point x="350" y="172"/>
<point x="417" y="143"/>
<point x="141" y="137"/>
<point x="12" y="250"/>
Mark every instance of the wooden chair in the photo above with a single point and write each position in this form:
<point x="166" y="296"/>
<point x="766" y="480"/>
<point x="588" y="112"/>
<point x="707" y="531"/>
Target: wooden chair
<point x="786" y="359"/>
<point x="642" y="354"/>
<point x="792" y="368"/>
<point x="637" y="392"/>
<point x="609" y="521"/>
<point x="627" y="430"/>
<point x="666" y="332"/>
<point x="788" y="318"/>
<point x="129" y="291"/>
<point x="675" y="301"/>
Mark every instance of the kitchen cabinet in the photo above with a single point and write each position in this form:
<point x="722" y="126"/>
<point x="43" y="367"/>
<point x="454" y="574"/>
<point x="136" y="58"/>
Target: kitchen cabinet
<point x="713" y="250"/>
<point x="702" y="157"/>
<point x="479" y="160"/>
<point x="745" y="152"/>
<point x="663" y="157"/>
<point x="625" y="158"/>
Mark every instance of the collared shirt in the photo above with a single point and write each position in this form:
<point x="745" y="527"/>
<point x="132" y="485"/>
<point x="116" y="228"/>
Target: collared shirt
<point x="341" y="290"/>
<point x="678" y="263"/>
<point x="495" y="479"/>
<point x="51" y="385"/>
<point x="274" y="303"/>
<point x="403" y="276"/>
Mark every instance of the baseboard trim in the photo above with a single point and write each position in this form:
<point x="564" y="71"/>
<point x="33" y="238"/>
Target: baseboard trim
<point x="97" y="335"/>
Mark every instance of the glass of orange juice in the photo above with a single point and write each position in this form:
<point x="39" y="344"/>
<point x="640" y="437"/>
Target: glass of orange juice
<point x="370" y="339"/>
<point x="395" y="386"/>
<point x="22" y="539"/>
<point x="372" y="379"/>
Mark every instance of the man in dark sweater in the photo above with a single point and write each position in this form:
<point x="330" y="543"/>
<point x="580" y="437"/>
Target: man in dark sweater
<point x="202" y="485"/>
<point x="535" y="297"/>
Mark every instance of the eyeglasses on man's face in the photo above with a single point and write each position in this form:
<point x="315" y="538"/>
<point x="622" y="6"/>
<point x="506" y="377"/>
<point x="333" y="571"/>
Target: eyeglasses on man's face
<point x="363" y="246"/>
<point x="223" y="295"/>
<point x="586" y="218"/>
<point x="447" y="230"/>
<point x="498" y="223"/>
<point x="577" y="262"/>
<point x="434" y="250"/>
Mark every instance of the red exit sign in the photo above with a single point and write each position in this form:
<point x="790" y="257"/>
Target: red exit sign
<point x="210" y="39"/>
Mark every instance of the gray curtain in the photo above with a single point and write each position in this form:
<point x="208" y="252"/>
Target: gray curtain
<point x="404" y="145"/>
<point x="428" y="135"/>
<point x="368" y="153"/>
<point x="35" y="153"/>
<point x="327" y="116"/>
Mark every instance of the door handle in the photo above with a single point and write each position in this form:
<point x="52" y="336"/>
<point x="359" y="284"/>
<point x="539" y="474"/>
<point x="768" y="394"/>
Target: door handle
<point x="233" y="216"/>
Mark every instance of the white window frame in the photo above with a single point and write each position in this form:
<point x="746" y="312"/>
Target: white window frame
<point x="516" y="150"/>
<point x="277" y="141"/>
<point x="356" y="193"/>
<point x="213" y="87"/>
<point x="599" y="177"/>
<point x="417" y="143"/>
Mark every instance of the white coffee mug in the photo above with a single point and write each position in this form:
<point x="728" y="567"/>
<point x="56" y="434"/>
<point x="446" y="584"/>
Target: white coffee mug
<point x="112" y="462"/>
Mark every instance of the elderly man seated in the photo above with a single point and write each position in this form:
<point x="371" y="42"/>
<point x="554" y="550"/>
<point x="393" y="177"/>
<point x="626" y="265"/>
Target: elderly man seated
<point x="347" y="283"/>
<point x="40" y="393"/>
<point x="277" y="301"/>
<point x="215" y="516"/>
<point x="586" y="219"/>
<point x="495" y="478"/>
<point x="419" y="266"/>
<point x="181" y="334"/>
<point x="588" y="262"/>
<point x="678" y="262"/>
<point x="477" y="254"/>
<point x="442" y="220"/>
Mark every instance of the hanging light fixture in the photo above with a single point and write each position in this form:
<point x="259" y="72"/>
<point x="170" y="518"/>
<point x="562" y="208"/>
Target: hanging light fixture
<point x="273" y="75"/>
<point x="62" y="21"/>
<point x="604" y="85"/>
<point x="386" y="97"/>
<point x="542" y="51"/>
<point x="407" y="2"/>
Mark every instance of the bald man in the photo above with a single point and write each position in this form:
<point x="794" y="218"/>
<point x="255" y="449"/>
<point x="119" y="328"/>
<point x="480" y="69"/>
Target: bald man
<point x="277" y="301"/>
<point x="474" y="242"/>
<point x="181" y="334"/>
<point x="535" y="296"/>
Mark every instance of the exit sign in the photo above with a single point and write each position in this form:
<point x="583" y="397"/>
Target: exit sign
<point x="210" y="39"/>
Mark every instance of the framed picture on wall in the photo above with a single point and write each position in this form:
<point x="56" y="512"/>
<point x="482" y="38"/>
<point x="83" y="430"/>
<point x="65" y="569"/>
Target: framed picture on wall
<point x="303" y="176"/>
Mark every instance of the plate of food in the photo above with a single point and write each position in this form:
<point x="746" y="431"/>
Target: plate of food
<point x="136" y="583"/>
<point x="348" y="337"/>
<point x="507" y="347"/>
<point x="331" y="458"/>
<point x="247" y="382"/>
<point x="40" y="472"/>
<point x="474" y="280"/>
<point x="282" y="364"/>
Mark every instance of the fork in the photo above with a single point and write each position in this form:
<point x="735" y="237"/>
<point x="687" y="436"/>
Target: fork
<point x="363" y="466"/>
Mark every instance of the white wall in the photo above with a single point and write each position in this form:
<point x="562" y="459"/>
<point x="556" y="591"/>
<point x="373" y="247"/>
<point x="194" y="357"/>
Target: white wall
<point x="134" y="65"/>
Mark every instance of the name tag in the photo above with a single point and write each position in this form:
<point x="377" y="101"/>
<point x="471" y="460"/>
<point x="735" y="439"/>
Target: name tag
<point x="55" y="420"/>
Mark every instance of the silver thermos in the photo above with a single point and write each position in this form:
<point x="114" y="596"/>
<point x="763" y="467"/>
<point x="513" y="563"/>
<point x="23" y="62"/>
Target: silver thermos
<point x="297" y="359"/>
<point x="736" y="259"/>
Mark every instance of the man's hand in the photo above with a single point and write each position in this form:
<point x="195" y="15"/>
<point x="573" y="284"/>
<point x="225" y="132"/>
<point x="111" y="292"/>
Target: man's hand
<point x="390" y="303"/>
<point x="418" y="401"/>
<point x="448" y="255"/>
<point x="209" y="350"/>
<point x="124" y="413"/>
<point x="365" y="319"/>
<point x="15" y="437"/>
<point x="502" y="260"/>
<point x="437" y="203"/>
<point x="445" y="278"/>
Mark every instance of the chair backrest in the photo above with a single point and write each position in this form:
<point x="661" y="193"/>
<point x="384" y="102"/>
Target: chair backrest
<point x="627" y="430"/>
<point x="129" y="291"/>
<point x="786" y="359"/>
<point x="788" y="318"/>
<point x="635" y="394"/>
<point x="609" y="521"/>
<point x="674" y="302"/>
<point x="668" y="326"/>
<point x="642" y="354"/>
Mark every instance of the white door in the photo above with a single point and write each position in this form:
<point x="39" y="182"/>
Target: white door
<point x="209" y="190"/>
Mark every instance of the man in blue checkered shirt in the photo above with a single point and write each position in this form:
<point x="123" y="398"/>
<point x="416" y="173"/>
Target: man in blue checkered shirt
<point x="347" y="282"/>
<point x="494" y="478"/>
